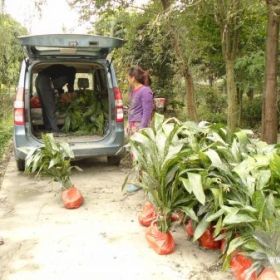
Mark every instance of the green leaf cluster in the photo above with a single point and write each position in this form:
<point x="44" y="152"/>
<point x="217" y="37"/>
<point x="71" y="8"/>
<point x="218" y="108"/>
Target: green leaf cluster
<point x="52" y="159"/>
<point x="229" y="181"/>
<point x="87" y="114"/>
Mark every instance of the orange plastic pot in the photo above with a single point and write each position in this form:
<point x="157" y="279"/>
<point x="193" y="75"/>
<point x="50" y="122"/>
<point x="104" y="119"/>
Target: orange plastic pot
<point x="161" y="242"/>
<point x="207" y="240"/>
<point x="177" y="217"/>
<point x="67" y="98"/>
<point x="35" y="102"/>
<point x="239" y="264"/>
<point x="148" y="215"/>
<point x="189" y="229"/>
<point x="268" y="274"/>
<point x="72" y="198"/>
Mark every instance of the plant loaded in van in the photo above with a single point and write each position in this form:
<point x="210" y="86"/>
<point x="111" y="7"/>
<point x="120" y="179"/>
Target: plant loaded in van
<point x="85" y="115"/>
<point x="53" y="160"/>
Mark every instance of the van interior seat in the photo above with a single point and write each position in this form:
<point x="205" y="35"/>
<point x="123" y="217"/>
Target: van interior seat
<point x="83" y="83"/>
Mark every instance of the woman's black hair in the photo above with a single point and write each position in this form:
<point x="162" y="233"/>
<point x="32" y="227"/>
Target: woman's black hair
<point x="140" y="75"/>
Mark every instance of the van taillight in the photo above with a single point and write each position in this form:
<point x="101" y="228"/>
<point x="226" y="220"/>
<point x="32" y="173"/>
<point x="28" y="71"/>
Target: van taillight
<point x="118" y="104"/>
<point x="19" y="107"/>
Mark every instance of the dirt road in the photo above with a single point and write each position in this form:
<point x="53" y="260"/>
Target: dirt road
<point x="101" y="240"/>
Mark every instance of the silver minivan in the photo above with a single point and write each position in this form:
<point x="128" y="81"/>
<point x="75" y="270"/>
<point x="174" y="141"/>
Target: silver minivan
<point x="95" y="80"/>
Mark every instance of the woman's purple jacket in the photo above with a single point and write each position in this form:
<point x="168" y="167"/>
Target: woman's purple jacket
<point x="141" y="106"/>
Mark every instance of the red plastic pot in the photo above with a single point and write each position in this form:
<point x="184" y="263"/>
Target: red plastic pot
<point x="177" y="217"/>
<point x="189" y="229"/>
<point x="207" y="240"/>
<point x="72" y="198"/>
<point x="35" y="102"/>
<point x="161" y="242"/>
<point x="239" y="264"/>
<point x="148" y="215"/>
<point x="268" y="274"/>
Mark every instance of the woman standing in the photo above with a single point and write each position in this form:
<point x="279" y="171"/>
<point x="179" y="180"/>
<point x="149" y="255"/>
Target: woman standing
<point x="141" y="105"/>
<point x="141" y="99"/>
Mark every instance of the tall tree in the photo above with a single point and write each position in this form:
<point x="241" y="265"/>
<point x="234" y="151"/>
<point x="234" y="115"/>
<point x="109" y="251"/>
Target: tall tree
<point x="182" y="61"/>
<point x="228" y="14"/>
<point x="10" y="50"/>
<point x="269" y="113"/>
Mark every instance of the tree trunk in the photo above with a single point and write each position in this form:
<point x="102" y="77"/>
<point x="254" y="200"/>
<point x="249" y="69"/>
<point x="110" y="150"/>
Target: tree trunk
<point x="269" y="113"/>
<point x="250" y="94"/>
<point x="183" y="68"/>
<point x="190" y="98"/>
<point x="228" y="18"/>
<point x="233" y="108"/>
<point x="240" y="105"/>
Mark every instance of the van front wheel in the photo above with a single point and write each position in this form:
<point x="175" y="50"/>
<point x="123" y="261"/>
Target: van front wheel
<point x="20" y="164"/>
<point x="114" y="160"/>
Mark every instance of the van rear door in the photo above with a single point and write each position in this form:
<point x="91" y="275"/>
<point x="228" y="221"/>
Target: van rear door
<point x="65" y="45"/>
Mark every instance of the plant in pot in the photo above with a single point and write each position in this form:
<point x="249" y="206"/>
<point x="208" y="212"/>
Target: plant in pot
<point x="52" y="159"/>
<point x="266" y="254"/>
<point x="157" y="151"/>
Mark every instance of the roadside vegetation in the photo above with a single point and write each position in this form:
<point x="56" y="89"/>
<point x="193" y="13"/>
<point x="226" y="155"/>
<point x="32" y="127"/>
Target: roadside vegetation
<point x="10" y="56"/>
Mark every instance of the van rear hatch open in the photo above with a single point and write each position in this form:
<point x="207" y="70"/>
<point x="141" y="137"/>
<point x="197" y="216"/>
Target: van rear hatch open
<point x="77" y="45"/>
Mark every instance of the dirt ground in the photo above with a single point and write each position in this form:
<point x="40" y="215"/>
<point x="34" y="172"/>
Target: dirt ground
<point x="100" y="240"/>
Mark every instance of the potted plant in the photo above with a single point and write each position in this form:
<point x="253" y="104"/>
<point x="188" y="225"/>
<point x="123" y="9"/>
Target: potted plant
<point x="156" y="153"/>
<point x="52" y="159"/>
<point x="266" y="253"/>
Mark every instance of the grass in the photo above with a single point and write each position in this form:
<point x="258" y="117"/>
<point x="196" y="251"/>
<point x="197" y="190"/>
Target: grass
<point x="6" y="121"/>
<point x="6" y="127"/>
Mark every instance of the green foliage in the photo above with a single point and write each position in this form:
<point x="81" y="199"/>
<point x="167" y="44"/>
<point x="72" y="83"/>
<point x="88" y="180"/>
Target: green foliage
<point x="211" y="104"/>
<point x="156" y="151"/>
<point x="11" y="52"/>
<point x="230" y="181"/>
<point x="247" y="68"/>
<point x="87" y="114"/>
<point x="148" y="35"/>
<point x="252" y="112"/>
<point x="5" y="135"/>
<point x="52" y="160"/>
<point x="6" y="120"/>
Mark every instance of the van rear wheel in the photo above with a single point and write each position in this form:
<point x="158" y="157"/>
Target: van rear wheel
<point x="114" y="160"/>
<point x="20" y="164"/>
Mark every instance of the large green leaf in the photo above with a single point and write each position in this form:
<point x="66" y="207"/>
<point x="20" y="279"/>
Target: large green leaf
<point x="195" y="181"/>
<point x="238" y="218"/>
<point x="215" y="216"/>
<point x="158" y="121"/>
<point x="258" y="202"/>
<point x="235" y="244"/>
<point x="275" y="166"/>
<point x="216" y="160"/>
<point x="190" y="213"/>
<point x="186" y="184"/>
<point x="201" y="227"/>
<point x="263" y="177"/>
